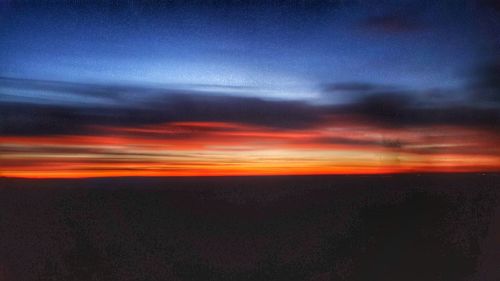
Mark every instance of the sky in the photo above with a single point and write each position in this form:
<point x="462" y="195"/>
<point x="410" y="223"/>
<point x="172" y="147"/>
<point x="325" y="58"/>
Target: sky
<point x="132" y="88"/>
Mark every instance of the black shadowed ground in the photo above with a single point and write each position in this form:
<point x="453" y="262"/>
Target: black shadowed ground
<point x="401" y="228"/>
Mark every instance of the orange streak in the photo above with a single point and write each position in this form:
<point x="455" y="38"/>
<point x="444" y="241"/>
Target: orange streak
<point x="218" y="148"/>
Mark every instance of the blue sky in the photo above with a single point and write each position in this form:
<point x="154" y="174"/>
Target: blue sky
<point x="287" y="52"/>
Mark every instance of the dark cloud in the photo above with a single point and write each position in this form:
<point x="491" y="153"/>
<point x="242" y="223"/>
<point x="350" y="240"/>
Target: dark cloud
<point x="28" y="118"/>
<point x="354" y="87"/>
<point x="194" y="107"/>
<point x="486" y="82"/>
<point x="403" y="110"/>
<point x="383" y="109"/>
<point x="392" y="23"/>
<point x="491" y="4"/>
<point x="38" y="119"/>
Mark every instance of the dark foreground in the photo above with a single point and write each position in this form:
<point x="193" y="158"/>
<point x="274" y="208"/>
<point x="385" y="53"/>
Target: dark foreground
<point x="406" y="227"/>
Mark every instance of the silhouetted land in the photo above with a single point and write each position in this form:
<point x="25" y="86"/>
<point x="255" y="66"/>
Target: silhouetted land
<point x="403" y="227"/>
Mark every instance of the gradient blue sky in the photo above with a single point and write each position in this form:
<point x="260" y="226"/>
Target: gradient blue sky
<point x="284" y="51"/>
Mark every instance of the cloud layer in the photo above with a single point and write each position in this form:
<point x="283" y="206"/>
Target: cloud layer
<point x="130" y="130"/>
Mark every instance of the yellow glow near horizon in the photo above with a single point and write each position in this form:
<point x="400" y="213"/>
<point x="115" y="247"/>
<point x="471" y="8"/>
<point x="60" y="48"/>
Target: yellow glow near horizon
<point x="233" y="149"/>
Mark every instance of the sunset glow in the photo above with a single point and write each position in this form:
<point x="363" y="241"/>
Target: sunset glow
<point x="247" y="90"/>
<point x="216" y="148"/>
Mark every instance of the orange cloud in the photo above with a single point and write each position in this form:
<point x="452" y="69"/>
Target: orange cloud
<point x="220" y="148"/>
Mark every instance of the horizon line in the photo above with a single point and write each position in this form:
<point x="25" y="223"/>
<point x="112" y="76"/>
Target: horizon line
<point x="260" y="175"/>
